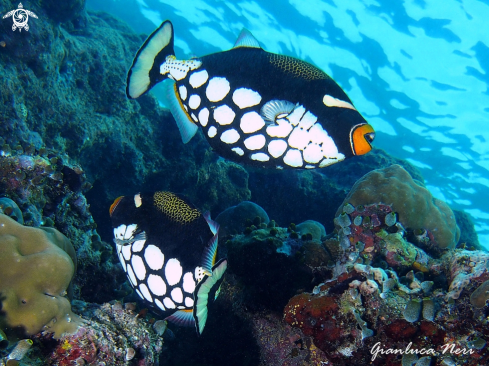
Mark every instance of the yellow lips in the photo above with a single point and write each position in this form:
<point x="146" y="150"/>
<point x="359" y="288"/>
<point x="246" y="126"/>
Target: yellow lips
<point x="360" y="138"/>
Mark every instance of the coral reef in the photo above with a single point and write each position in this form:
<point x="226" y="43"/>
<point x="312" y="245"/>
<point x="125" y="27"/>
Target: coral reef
<point x="416" y="207"/>
<point x="235" y="219"/>
<point x="35" y="271"/>
<point x="113" y="335"/>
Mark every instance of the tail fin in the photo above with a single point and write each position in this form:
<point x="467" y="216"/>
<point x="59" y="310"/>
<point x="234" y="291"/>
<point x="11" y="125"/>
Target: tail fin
<point x="145" y="70"/>
<point x="206" y="292"/>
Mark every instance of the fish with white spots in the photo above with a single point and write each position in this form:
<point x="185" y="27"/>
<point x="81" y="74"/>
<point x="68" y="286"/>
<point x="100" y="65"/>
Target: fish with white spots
<point x="168" y="250"/>
<point x="254" y="107"/>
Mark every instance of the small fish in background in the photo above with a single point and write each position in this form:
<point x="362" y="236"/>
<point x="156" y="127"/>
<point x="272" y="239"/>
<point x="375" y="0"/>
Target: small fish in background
<point x="254" y="107"/>
<point x="168" y="250"/>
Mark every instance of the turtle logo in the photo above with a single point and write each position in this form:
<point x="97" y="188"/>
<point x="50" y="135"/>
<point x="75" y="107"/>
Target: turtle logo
<point x="20" y="17"/>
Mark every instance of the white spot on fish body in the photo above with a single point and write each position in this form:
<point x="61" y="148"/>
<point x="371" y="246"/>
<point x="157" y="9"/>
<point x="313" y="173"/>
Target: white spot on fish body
<point x="119" y="231"/>
<point x="126" y="252"/>
<point x="138" y="245"/>
<point x="130" y="229"/>
<point x="188" y="283"/>
<point x="217" y="89"/>
<point x="138" y="265"/>
<point x="160" y="305"/>
<point x="293" y="158"/>
<point x="307" y="121"/>
<point x="251" y="122"/>
<point x="260" y="157"/>
<point x="156" y="285"/>
<point x="140" y="294"/>
<point x="132" y="277"/>
<point x="313" y="153"/>
<point x="145" y="292"/>
<point x="198" y="78"/>
<point x="154" y="257"/>
<point x="173" y="272"/>
<point x="189" y="302"/>
<point x="169" y="303"/>
<point x="177" y="295"/>
<point x="230" y="136"/>
<point x="277" y="147"/>
<point x="296" y="115"/>
<point x="137" y="200"/>
<point x="299" y="138"/>
<point x="224" y="115"/>
<point x="330" y="101"/>
<point x="238" y="151"/>
<point x="182" y="90"/>
<point x="194" y="101"/>
<point x="283" y="129"/>
<point x="194" y="117"/>
<point x="123" y="262"/>
<point x="199" y="273"/>
<point x="204" y="116"/>
<point x="212" y="132"/>
<point x="255" y="142"/>
<point x="244" y="97"/>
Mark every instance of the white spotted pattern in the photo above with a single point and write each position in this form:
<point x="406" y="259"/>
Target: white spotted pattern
<point x="238" y="151"/>
<point x="293" y="158"/>
<point x="212" y="132"/>
<point x="299" y="138"/>
<point x="154" y="257"/>
<point x="282" y="129"/>
<point x="140" y="294"/>
<point x="276" y="148"/>
<point x="313" y="153"/>
<point x="119" y="232"/>
<point x="194" y="101"/>
<point x="198" y="78"/>
<point x="173" y="271"/>
<point x="177" y="295"/>
<point x="251" y="122"/>
<point x="224" y="115"/>
<point x="217" y="89"/>
<point x="330" y="101"/>
<point x="123" y="262"/>
<point x="189" y="302"/>
<point x="204" y="116"/>
<point x="160" y="304"/>
<point x="126" y="252"/>
<point x="156" y="285"/>
<point x="138" y="266"/>
<point x="132" y="277"/>
<point x="255" y="142"/>
<point x="130" y="229"/>
<point x="296" y="115"/>
<point x="230" y="136"/>
<point x="169" y="303"/>
<point x="188" y="282"/>
<point x="182" y="90"/>
<point x="138" y="245"/>
<point x="244" y="97"/>
<point x="260" y="157"/>
<point x="144" y="290"/>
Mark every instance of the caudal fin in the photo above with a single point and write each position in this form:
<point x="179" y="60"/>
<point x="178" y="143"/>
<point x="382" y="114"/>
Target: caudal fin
<point x="145" y="70"/>
<point x="206" y="292"/>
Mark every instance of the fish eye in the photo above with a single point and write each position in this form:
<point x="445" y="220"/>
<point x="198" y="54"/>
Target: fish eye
<point x="361" y="137"/>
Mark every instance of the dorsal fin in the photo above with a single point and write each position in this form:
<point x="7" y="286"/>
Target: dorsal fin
<point x="246" y="39"/>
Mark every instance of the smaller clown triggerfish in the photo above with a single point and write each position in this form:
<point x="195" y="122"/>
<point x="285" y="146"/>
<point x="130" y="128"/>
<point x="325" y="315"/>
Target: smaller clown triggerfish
<point x="168" y="250"/>
<point x="255" y="107"/>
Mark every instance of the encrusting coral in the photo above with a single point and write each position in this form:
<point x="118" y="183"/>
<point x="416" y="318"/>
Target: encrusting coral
<point x="416" y="207"/>
<point x="36" y="268"/>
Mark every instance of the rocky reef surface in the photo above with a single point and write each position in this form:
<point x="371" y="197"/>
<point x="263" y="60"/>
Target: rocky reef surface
<point x="325" y="266"/>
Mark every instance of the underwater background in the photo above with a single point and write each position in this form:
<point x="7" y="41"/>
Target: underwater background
<point x="333" y="266"/>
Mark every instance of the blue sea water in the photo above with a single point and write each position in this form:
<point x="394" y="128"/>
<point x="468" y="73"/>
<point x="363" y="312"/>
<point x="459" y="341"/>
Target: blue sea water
<point x="417" y="70"/>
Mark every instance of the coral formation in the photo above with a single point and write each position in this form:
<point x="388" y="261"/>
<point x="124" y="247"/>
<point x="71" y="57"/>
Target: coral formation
<point x="35" y="272"/>
<point x="113" y="336"/>
<point x="416" y="207"/>
<point x="233" y="220"/>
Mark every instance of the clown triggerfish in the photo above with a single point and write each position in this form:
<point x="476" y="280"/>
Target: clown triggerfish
<point x="254" y="107"/>
<point x="168" y="250"/>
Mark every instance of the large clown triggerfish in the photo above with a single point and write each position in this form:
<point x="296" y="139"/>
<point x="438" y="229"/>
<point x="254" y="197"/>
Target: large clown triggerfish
<point x="254" y="107"/>
<point x="168" y="250"/>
